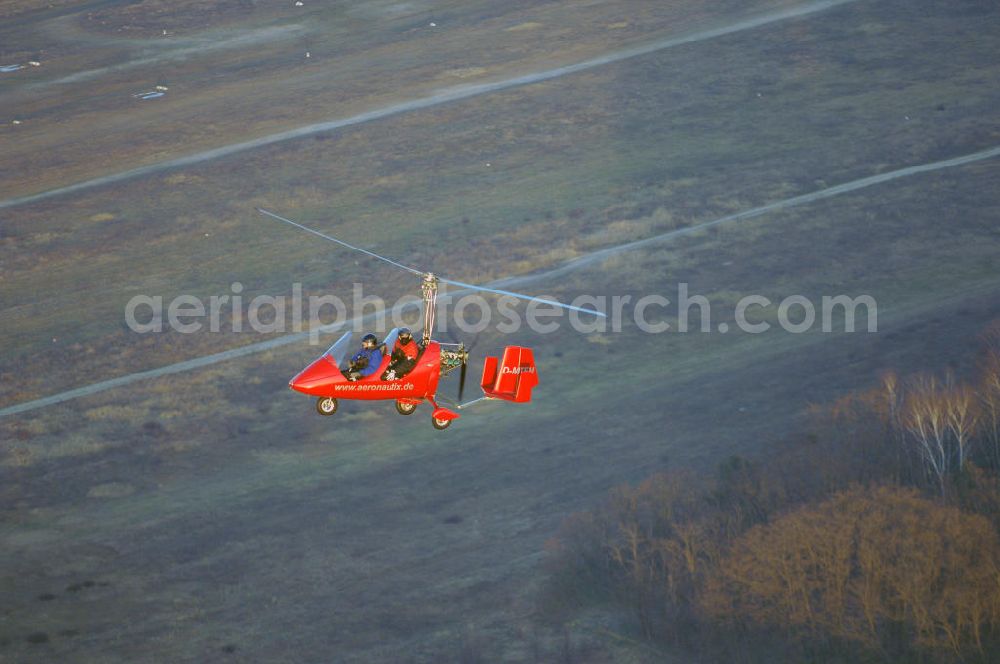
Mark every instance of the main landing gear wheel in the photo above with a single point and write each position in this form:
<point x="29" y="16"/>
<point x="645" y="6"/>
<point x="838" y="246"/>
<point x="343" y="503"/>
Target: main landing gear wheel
<point x="326" y="405"/>
<point x="440" y="425"/>
<point x="404" y="408"/>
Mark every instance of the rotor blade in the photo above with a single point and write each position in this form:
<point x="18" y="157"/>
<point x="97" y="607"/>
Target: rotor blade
<point x="530" y="298"/>
<point x="461" y="380"/>
<point x="340" y="242"/>
<point x="461" y="284"/>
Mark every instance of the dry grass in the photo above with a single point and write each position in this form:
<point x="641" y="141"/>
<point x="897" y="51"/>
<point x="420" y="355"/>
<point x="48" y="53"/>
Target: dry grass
<point x="245" y="498"/>
<point x="111" y="490"/>
<point x="13" y="8"/>
<point x="384" y="189"/>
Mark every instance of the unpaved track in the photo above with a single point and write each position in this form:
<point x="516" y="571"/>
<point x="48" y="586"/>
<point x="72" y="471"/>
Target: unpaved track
<point x="441" y="97"/>
<point x="180" y="50"/>
<point x="510" y="282"/>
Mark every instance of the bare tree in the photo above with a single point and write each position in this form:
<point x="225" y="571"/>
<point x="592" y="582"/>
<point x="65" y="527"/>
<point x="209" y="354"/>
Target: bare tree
<point x="962" y="414"/>
<point x="925" y="418"/>
<point x="892" y="417"/>
<point x="989" y="396"/>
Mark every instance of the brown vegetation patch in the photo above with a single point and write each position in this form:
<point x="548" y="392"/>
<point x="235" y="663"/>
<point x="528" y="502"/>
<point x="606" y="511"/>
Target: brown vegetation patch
<point x="862" y="563"/>
<point x="875" y="534"/>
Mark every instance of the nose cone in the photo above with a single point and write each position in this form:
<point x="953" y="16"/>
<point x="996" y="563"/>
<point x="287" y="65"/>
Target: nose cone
<point x="317" y="379"/>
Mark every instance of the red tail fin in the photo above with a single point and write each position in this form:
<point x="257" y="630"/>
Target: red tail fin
<point x="513" y="378"/>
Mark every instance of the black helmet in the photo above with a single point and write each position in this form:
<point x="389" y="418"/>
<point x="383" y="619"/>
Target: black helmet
<point x="369" y="337"/>
<point x="405" y="332"/>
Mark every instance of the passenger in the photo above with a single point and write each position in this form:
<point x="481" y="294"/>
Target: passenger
<point x="367" y="360"/>
<point x="404" y="356"/>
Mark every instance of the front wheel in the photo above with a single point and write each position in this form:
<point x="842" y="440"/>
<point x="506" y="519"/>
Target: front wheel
<point x="404" y="408"/>
<point x="440" y="424"/>
<point x="326" y="405"/>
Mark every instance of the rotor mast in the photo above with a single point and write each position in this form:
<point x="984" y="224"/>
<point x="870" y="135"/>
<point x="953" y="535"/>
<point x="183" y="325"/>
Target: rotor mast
<point x="429" y="289"/>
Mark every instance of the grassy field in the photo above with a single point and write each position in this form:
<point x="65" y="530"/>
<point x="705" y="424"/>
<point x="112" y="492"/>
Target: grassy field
<point x="375" y="529"/>
<point x="248" y="74"/>
<point x="212" y="515"/>
<point x="625" y="127"/>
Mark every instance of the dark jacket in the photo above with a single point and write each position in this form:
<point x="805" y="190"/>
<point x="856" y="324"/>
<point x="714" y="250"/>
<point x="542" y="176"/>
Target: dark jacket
<point x="366" y="361"/>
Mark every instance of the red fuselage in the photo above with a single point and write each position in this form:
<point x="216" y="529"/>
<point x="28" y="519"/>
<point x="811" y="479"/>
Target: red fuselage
<point x="323" y="378"/>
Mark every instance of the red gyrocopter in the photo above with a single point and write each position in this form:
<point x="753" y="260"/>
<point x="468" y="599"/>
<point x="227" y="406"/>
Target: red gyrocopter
<point x="508" y="378"/>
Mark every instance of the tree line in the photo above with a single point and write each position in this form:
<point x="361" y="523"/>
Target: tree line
<point x="875" y="537"/>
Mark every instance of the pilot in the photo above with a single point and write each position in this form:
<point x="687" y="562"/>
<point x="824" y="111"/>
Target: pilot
<point x="404" y="356"/>
<point x="367" y="360"/>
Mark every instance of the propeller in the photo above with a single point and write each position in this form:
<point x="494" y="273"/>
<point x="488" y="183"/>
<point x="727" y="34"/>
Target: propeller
<point x="461" y="376"/>
<point x="465" y="358"/>
<point x="460" y="284"/>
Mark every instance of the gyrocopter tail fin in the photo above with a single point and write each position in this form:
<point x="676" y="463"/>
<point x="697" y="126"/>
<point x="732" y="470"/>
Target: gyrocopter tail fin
<point x="511" y="378"/>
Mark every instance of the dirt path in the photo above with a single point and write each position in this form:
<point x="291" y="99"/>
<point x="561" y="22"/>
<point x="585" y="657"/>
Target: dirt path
<point x="175" y="50"/>
<point x="33" y="17"/>
<point x="511" y="282"/>
<point x="442" y="97"/>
